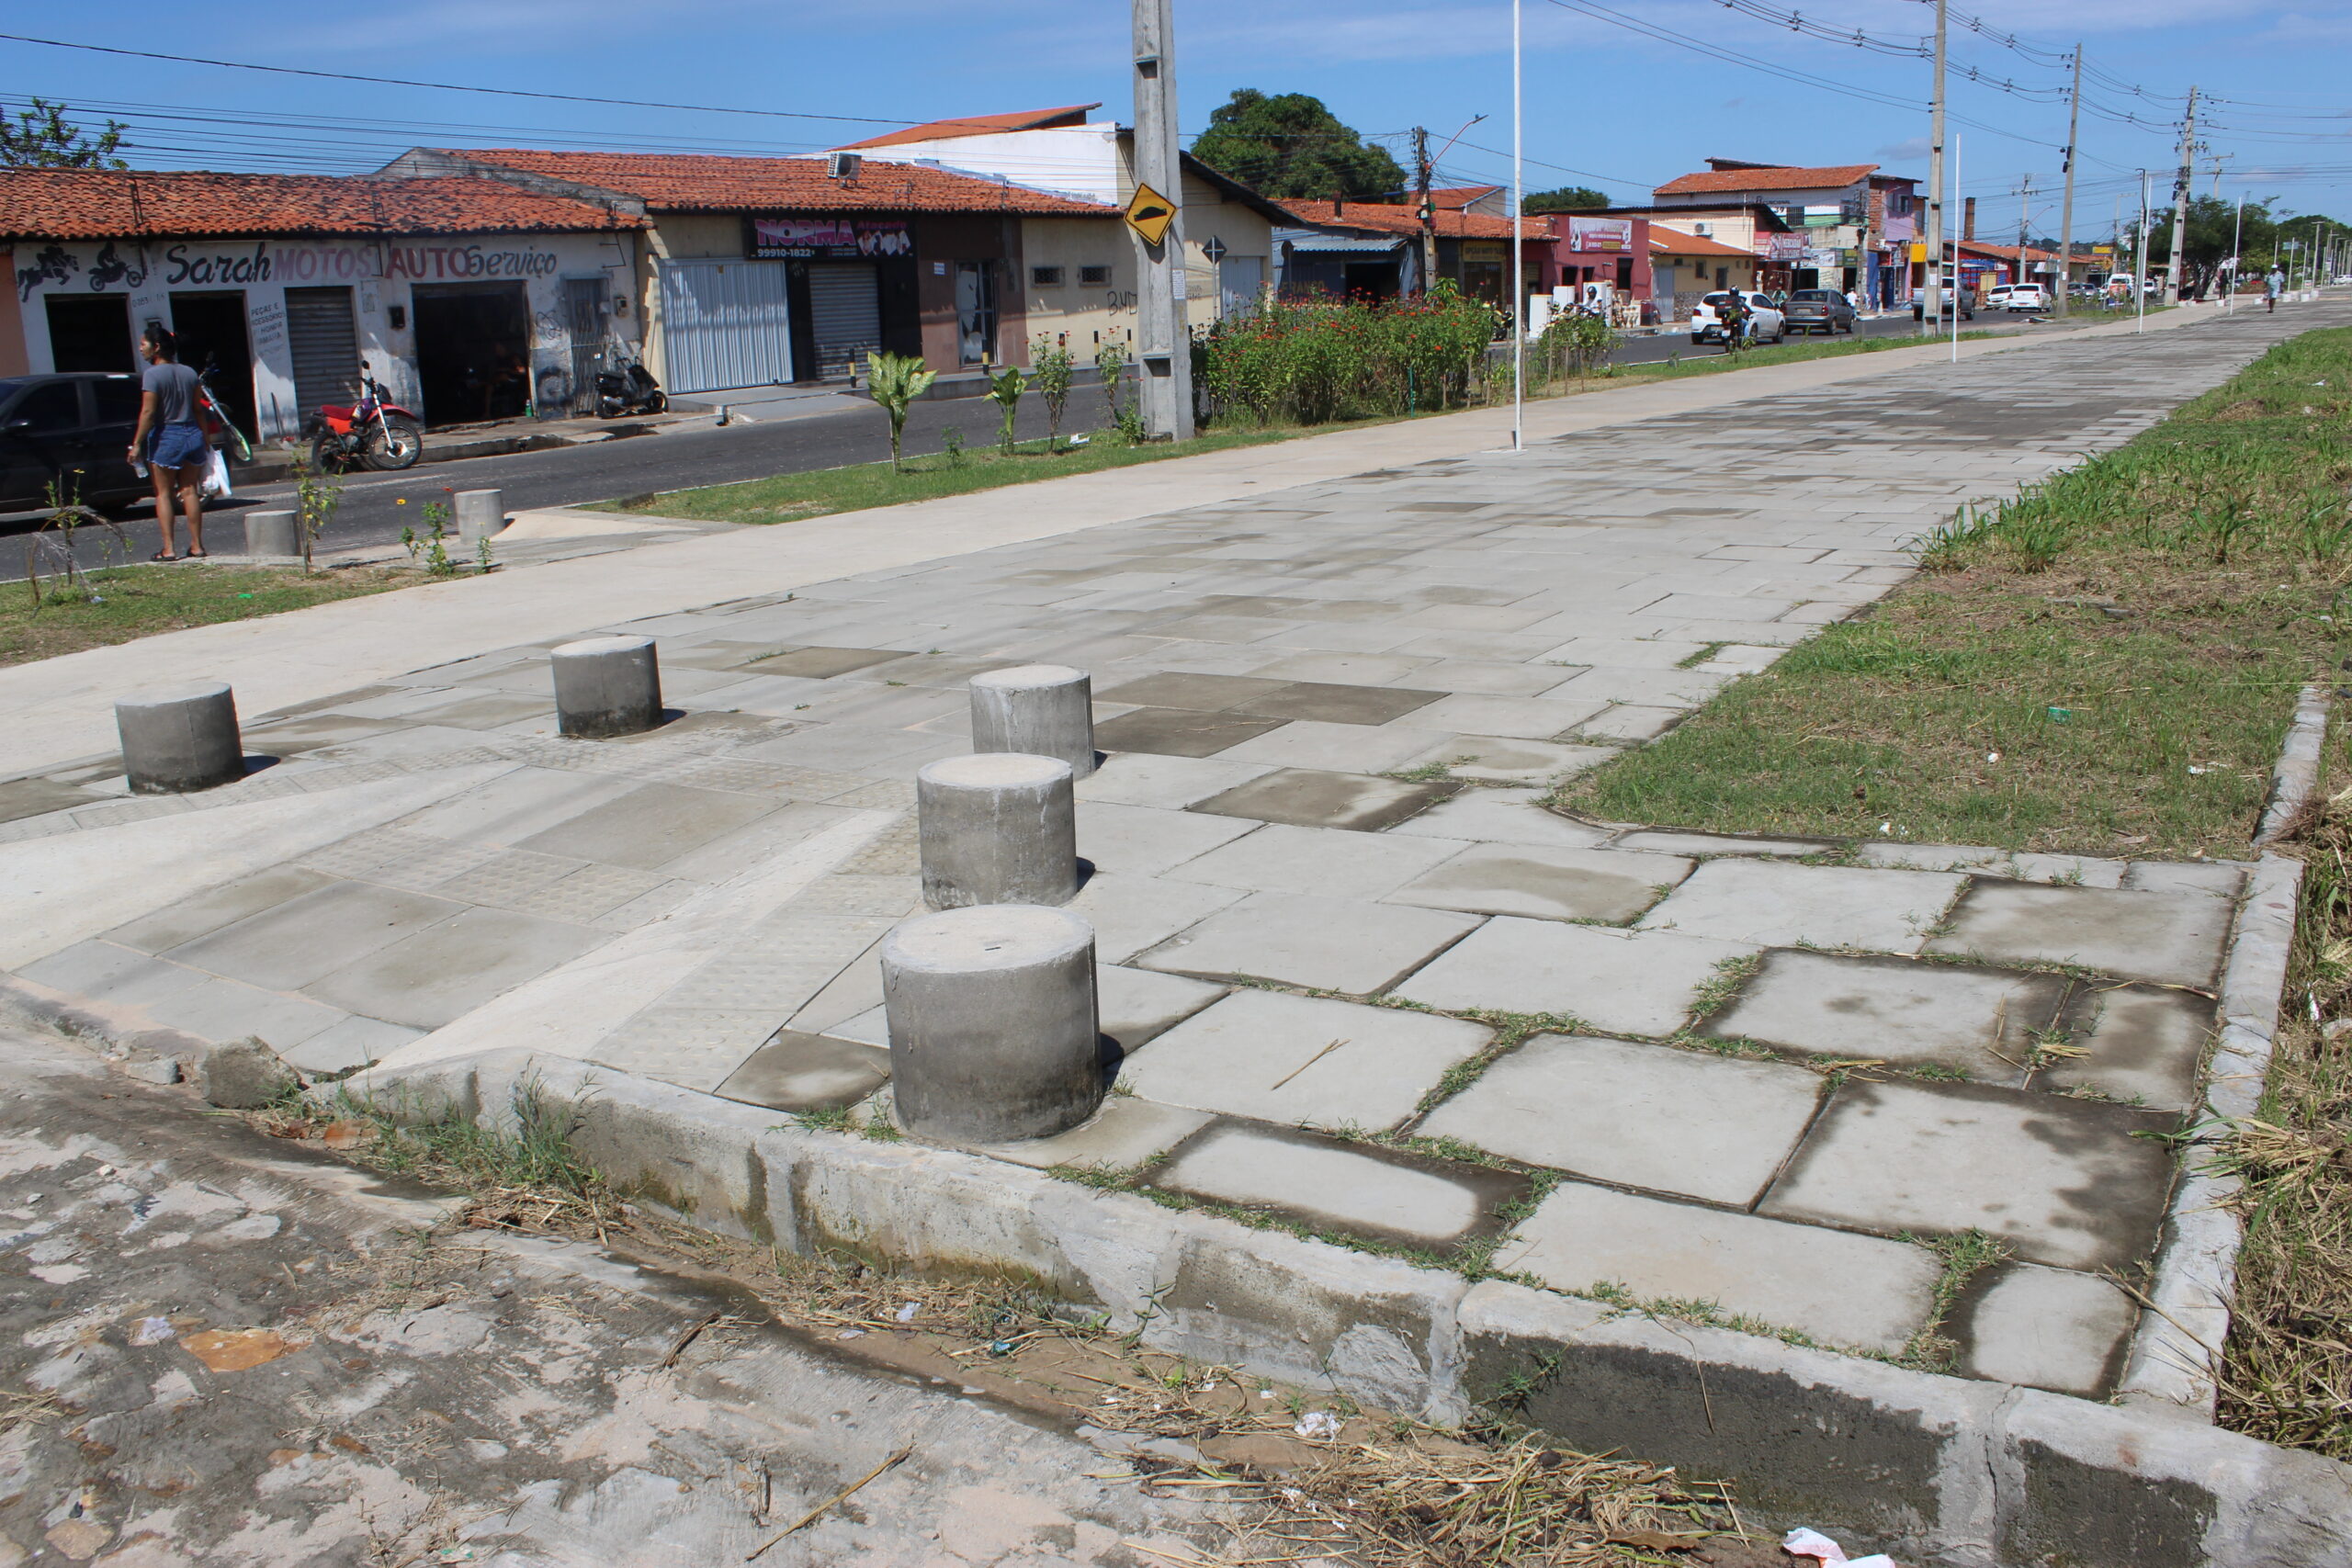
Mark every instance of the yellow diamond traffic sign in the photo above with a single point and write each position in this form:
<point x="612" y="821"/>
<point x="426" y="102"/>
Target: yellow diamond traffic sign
<point x="1150" y="214"/>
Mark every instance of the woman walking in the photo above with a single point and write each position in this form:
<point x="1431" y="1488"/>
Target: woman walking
<point x="170" y="440"/>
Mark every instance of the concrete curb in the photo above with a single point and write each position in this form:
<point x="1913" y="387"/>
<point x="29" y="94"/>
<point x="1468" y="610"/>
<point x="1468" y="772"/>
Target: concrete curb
<point x="2177" y="1351"/>
<point x="1939" y="1469"/>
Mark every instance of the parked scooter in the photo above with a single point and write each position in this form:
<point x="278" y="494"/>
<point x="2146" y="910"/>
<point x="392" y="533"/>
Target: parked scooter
<point x="374" y="433"/>
<point x="631" y="389"/>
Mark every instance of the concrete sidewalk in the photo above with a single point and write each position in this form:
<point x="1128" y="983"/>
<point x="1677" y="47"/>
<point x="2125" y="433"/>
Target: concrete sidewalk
<point x="60" y="708"/>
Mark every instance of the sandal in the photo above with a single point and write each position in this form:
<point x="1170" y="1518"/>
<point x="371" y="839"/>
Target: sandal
<point x="196" y="555"/>
<point x="161" y="556"/>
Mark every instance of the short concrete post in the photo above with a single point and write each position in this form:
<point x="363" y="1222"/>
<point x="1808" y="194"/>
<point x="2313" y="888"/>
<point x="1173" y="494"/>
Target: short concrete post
<point x="480" y="513"/>
<point x="180" y="738"/>
<point x="996" y="827"/>
<point x="1046" y="710"/>
<point x="992" y="1017"/>
<point x="606" y="686"/>
<point x="271" y="535"/>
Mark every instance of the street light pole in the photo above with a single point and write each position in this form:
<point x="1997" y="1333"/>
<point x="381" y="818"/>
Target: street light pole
<point x="1164" y="354"/>
<point x="2066" y="217"/>
<point x="1930" y="317"/>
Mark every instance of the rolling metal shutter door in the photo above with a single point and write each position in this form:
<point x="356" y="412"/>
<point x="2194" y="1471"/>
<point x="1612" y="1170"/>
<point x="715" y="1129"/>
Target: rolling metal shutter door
<point x="845" y="310"/>
<point x="324" y="339"/>
<point x="724" y="324"/>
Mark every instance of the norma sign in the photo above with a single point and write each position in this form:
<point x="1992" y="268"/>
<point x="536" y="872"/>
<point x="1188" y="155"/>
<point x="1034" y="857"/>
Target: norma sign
<point x="1600" y="234"/>
<point x="1150" y="214"/>
<point x="834" y="238"/>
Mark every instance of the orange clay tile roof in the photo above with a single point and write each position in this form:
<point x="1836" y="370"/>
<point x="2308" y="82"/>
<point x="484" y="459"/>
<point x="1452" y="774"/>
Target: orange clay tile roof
<point x="672" y="183"/>
<point x="979" y="125"/>
<point x="96" y="204"/>
<point x="1455" y="197"/>
<point x="1675" y="242"/>
<point x="1715" y="181"/>
<point x="1388" y="219"/>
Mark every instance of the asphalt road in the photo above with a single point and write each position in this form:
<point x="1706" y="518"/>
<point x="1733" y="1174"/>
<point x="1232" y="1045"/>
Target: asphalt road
<point x="683" y="458"/>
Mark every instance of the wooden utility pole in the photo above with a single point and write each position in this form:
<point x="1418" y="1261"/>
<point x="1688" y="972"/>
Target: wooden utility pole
<point x="1932" y="315"/>
<point x="2066" y="212"/>
<point x="1164" y="351"/>
<point x="2180" y="184"/>
<point x="1428" y="209"/>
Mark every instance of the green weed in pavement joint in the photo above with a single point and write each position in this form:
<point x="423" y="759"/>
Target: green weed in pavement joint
<point x="1964" y="1257"/>
<point x="1704" y="656"/>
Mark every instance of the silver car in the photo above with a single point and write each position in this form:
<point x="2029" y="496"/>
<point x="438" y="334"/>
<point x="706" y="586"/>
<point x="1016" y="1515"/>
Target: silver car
<point x="1823" y="310"/>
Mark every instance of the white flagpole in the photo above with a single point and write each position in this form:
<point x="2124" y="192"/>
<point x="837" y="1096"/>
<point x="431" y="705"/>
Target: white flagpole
<point x="1959" y="274"/>
<point x="1518" y="254"/>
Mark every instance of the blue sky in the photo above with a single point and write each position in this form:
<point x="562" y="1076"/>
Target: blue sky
<point x="1622" y="110"/>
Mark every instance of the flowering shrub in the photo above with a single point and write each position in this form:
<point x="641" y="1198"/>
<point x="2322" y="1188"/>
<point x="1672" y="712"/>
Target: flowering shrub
<point x="1317" y="360"/>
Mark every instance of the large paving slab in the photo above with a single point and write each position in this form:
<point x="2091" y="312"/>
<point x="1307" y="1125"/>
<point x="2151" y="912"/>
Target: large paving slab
<point x="1337" y="1185"/>
<point x="1324" y="944"/>
<point x="1811" y="905"/>
<point x="1622" y="982"/>
<point x="2067" y="1182"/>
<point x="2131" y="935"/>
<point x="2046" y="1328"/>
<point x="1608" y="885"/>
<point x="1980" y="1022"/>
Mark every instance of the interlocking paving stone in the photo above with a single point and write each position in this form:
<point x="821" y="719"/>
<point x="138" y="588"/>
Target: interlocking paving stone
<point x="1144" y="840"/>
<point x="447" y="969"/>
<point x="2045" y="1328"/>
<point x="807" y="1072"/>
<point x="2139" y="1044"/>
<point x="1147" y="778"/>
<point x="1330" y="862"/>
<point x="1689" y="1122"/>
<point x="209" y="910"/>
<point x="1270" y="1056"/>
<point x="1327" y="945"/>
<point x="1981" y="1022"/>
<point x="1124" y="1134"/>
<point x="313" y="934"/>
<point x="2133" y="936"/>
<point x="1183" y="732"/>
<point x="1819" y="905"/>
<point x="515" y="805"/>
<point x="2065" y="1181"/>
<point x="1336" y="1185"/>
<point x="1132" y="913"/>
<point x="1842" y="1289"/>
<point x="591" y="893"/>
<point x="1622" y="982"/>
<point x="1547" y="883"/>
<point x="692" y="1047"/>
<point x="1309" y="799"/>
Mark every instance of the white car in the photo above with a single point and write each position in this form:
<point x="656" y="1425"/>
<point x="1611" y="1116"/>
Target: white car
<point x="1765" y="322"/>
<point x="2018" y="297"/>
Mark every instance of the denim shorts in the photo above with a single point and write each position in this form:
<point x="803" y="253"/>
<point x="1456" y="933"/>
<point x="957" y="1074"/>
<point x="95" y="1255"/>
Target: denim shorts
<point x="175" y="445"/>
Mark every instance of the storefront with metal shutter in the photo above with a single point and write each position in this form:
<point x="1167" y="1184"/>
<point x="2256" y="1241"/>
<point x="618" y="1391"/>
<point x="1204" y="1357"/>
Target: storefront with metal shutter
<point x="844" y="315"/>
<point x="323" y="338"/>
<point x="724" y="324"/>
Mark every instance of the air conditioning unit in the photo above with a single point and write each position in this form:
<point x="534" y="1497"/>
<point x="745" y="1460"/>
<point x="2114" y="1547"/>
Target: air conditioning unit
<point x="1704" y="231"/>
<point x="844" y="165"/>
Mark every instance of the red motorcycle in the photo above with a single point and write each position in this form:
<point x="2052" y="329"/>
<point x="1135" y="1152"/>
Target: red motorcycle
<point x="374" y="433"/>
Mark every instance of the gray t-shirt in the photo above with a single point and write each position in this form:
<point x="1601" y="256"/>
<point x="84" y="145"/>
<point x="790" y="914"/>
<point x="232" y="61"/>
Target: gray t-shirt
<point x="174" y="388"/>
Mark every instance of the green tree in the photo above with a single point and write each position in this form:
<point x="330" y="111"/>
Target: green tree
<point x="43" y="138"/>
<point x="1567" y="199"/>
<point x="896" y="380"/>
<point x="1290" y="145"/>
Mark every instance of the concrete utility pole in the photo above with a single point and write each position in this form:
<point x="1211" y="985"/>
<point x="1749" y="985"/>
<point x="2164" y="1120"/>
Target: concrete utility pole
<point x="2139" y="267"/>
<point x="2180" y="184"/>
<point x="1428" y="209"/>
<point x="2066" y="213"/>
<point x="1165" y="347"/>
<point x="1931" y="315"/>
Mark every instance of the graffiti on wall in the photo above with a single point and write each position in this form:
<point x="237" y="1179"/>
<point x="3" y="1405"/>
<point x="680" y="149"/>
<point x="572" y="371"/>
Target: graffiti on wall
<point x="111" y="268"/>
<point x="55" y="264"/>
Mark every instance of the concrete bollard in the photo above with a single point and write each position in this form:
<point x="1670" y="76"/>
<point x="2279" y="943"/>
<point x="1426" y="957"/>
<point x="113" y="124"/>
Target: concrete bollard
<point x="271" y="535"/>
<point x="1046" y="710"/>
<point x="996" y="827"/>
<point x="606" y="686"/>
<point x="993" y="1028"/>
<point x="480" y="513"/>
<point x="176" y="740"/>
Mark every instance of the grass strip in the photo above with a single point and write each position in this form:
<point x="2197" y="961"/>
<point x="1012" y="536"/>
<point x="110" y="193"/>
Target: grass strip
<point x="793" y="498"/>
<point x="132" y="602"/>
<point x="2105" y="665"/>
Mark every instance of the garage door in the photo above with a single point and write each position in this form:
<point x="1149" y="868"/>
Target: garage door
<point x="324" y="338"/>
<point x="724" y="324"/>
<point x="845" y="310"/>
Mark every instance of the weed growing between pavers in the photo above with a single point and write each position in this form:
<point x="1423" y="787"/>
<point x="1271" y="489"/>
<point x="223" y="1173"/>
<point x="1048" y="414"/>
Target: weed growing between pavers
<point x="132" y="602"/>
<point x="1965" y="1257"/>
<point x="2286" y="1373"/>
<point x="2105" y="665"/>
<point x="1298" y="1465"/>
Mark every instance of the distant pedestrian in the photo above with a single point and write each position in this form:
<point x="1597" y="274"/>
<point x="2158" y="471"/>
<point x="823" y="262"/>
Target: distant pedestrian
<point x="2274" y="285"/>
<point x="170" y="440"/>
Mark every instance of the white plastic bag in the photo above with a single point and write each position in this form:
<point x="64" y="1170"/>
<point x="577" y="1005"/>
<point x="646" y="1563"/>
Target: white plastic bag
<point x="1803" y="1543"/>
<point x="216" y="476"/>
